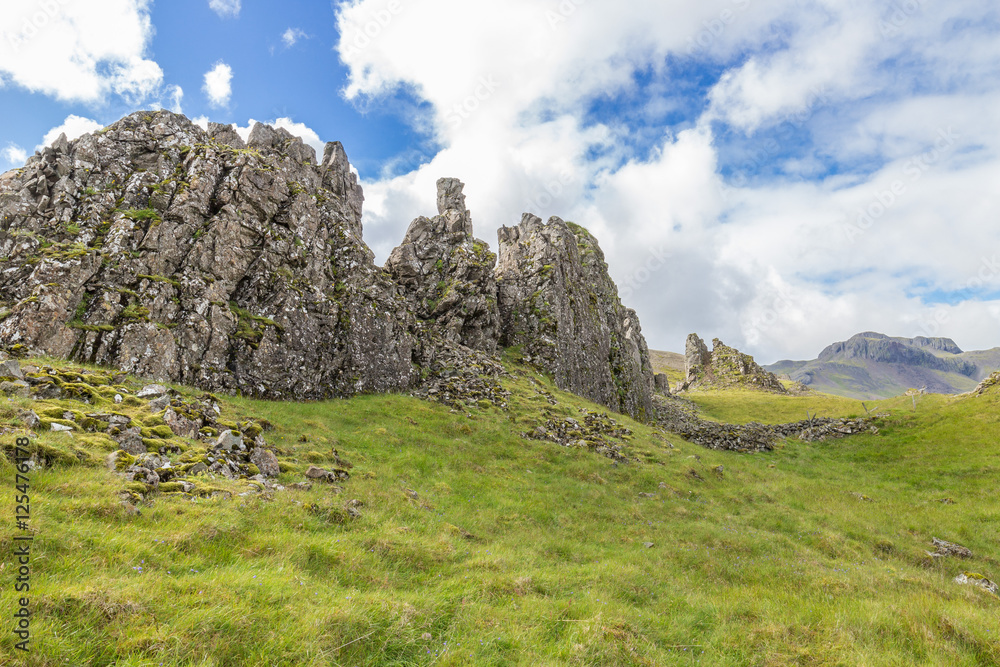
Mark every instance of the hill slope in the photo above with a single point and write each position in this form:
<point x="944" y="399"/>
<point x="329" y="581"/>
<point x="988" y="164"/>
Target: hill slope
<point x="457" y="541"/>
<point x="872" y="365"/>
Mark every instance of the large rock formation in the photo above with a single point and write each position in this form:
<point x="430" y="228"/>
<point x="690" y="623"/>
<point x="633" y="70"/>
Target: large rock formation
<point x="725" y="367"/>
<point x="177" y="254"/>
<point x="558" y="302"/>
<point x="447" y="275"/>
<point x="167" y="251"/>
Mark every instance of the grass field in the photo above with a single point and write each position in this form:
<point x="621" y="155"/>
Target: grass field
<point x="477" y="546"/>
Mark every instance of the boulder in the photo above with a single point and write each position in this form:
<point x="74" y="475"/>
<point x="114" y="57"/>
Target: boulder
<point x="229" y="440"/>
<point x="266" y="462"/>
<point x="11" y="369"/>
<point x="152" y="391"/>
<point x="130" y="440"/>
<point x="180" y="425"/>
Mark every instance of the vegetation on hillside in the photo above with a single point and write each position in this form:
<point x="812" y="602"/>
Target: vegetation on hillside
<point x="477" y="546"/>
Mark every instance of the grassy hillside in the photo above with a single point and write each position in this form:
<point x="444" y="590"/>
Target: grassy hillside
<point x="476" y="546"/>
<point x="670" y="364"/>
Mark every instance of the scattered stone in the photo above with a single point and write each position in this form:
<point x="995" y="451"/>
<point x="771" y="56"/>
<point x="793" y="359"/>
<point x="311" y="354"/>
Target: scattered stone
<point x="862" y="497"/>
<point x="130" y="440"/>
<point x="11" y="369"/>
<point x="181" y="426"/>
<point x="18" y="388"/>
<point x="152" y="391"/>
<point x="947" y="501"/>
<point x="266" y="462"/>
<point x="693" y="474"/>
<point x="29" y="419"/>
<point x="426" y="636"/>
<point x="647" y="495"/>
<point x="62" y="428"/>
<point x="118" y="398"/>
<point x="974" y="579"/>
<point x="301" y="486"/>
<point x="950" y="549"/>
<point x="197" y="469"/>
<point x="648" y="545"/>
<point x="718" y="470"/>
<point x="158" y="404"/>
<point x="229" y="440"/>
<point x="327" y="475"/>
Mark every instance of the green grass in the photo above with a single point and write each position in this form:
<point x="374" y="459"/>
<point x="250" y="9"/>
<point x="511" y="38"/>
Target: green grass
<point x="519" y="552"/>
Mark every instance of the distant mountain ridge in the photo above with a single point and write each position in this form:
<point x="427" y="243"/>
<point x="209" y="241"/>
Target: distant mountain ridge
<point x="873" y="365"/>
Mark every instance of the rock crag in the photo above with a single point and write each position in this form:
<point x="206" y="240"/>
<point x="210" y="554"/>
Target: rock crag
<point x="725" y="367"/>
<point x="558" y="303"/>
<point x="180" y="254"/>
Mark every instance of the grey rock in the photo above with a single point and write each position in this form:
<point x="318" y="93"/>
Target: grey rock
<point x="696" y="357"/>
<point x="973" y="579"/>
<point x="152" y="391"/>
<point x="950" y="549"/>
<point x="29" y="419"/>
<point x="118" y="398"/>
<point x="662" y="383"/>
<point x="12" y="369"/>
<point x="181" y="426"/>
<point x="559" y="304"/>
<point x="229" y="440"/>
<point x="266" y="462"/>
<point x="130" y="440"/>
<point x="158" y="404"/>
<point x="197" y="469"/>
<point x="256" y="258"/>
<point x="327" y="475"/>
<point x="16" y="388"/>
<point x="62" y="428"/>
<point x="447" y="275"/>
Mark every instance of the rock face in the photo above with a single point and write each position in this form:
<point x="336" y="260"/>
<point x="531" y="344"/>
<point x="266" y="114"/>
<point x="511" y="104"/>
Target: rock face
<point x="447" y="275"/>
<point x="192" y="256"/>
<point x="558" y="302"/>
<point x="170" y="252"/>
<point x="726" y="367"/>
<point x="696" y="357"/>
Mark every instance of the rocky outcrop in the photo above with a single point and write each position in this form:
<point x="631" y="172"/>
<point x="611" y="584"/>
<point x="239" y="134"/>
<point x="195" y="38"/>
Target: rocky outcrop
<point x="726" y="367"/>
<point x="447" y="275"/>
<point x="186" y="255"/>
<point x="163" y="250"/>
<point x="558" y="303"/>
<point x="696" y="357"/>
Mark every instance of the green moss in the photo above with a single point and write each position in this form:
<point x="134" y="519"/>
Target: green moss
<point x="135" y="312"/>
<point x="142" y="215"/>
<point x="159" y="279"/>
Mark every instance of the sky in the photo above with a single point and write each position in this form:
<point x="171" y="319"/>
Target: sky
<point x="780" y="174"/>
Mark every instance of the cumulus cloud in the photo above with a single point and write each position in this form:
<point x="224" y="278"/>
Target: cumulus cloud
<point x="219" y="85"/>
<point x="14" y="154"/>
<point x="225" y="8"/>
<point x="176" y="97"/>
<point x="75" y="54"/>
<point x="768" y="263"/>
<point x="293" y="35"/>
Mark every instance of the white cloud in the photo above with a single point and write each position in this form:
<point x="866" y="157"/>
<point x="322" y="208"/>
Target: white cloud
<point x="14" y="154"/>
<point x="225" y="8"/>
<point x="201" y="121"/>
<point x="218" y="85"/>
<point x="176" y="97"/>
<point x="73" y="127"/>
<point x="293" y="35"/>
<point x="71" y="52"/>
<point x="766" y="265"/>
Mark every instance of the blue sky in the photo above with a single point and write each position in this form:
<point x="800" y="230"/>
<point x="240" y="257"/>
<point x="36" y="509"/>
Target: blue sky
<point x="777" y="173"/>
